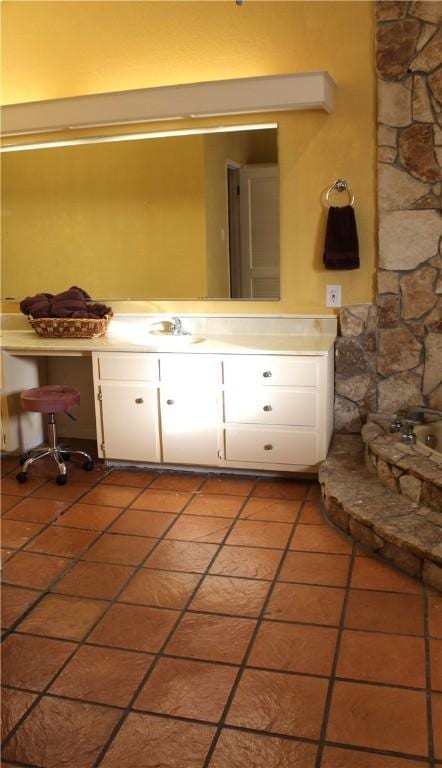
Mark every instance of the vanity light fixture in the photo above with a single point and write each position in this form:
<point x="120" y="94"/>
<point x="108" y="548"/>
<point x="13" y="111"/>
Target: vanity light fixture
<point x="246" y="95"/>
<point x="135" y="136"/>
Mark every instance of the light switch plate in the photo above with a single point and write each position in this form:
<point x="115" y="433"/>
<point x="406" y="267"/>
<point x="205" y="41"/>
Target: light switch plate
<point x="333" y="295"/>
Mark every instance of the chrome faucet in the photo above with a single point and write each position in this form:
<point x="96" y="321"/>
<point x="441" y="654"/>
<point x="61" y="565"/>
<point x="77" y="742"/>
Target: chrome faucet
<point x="398" y="421"/>
<point x="408" y="435"/>
<point x="176" y="327"/>
<point x="403" y="424"/>
<point x="406" y="420"/>
<point x="415" y="414"/>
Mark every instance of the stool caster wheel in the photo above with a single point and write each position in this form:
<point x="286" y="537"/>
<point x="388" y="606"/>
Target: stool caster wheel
<point x="23" y="459"/>
<point x="66" y="456"/>
<point x="88" y="465"/>
<point x="61" y="479"/>
<point x="22" y="477"/>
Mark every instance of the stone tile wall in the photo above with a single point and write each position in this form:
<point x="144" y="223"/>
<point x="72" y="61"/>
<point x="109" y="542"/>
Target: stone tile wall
<point x="399" y="349"/>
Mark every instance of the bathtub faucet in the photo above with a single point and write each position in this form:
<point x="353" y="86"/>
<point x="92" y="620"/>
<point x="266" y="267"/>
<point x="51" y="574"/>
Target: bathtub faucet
<point x="405" y="421"/>
<point x="402" y="423"/>
<point x="398" y="421"/>
<point x="417" y="413"/>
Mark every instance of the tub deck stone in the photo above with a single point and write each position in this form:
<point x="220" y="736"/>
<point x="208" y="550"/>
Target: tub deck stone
<point x="403" y="531"/>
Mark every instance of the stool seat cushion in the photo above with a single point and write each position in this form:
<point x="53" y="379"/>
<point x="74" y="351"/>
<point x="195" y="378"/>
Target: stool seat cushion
<point x="53" y="398"/>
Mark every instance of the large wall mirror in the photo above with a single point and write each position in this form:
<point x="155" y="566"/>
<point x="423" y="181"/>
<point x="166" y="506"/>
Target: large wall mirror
<point x="194" y="216"/>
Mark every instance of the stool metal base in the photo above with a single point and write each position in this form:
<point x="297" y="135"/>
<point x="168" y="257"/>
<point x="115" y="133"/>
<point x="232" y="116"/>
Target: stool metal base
<point x="56" y="452"/>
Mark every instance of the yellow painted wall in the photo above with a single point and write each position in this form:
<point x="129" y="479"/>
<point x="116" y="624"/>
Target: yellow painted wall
<point x="56" y="49"/>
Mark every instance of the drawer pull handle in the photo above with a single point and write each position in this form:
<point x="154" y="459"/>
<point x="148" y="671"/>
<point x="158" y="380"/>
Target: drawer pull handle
<point x="267" y="374"/>
<point x="170" y="402"/>
<point x="139" y="400"/>
<point x="268" y="447"/>
<point x="267" y="408"/>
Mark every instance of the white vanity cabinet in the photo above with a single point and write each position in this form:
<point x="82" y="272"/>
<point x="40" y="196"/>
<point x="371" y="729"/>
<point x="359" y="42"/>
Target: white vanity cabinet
<point x="256" y="396"/>
<point x="127" y="406"/>
<point x="246" y="411"/>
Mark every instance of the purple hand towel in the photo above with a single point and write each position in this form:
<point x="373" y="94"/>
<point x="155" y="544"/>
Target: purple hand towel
<point x="341" y="250"/>
<point x="37" y="306"/>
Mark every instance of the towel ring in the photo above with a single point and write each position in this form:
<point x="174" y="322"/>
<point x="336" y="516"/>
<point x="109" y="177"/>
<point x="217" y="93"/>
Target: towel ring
<point x="340" y="185"/>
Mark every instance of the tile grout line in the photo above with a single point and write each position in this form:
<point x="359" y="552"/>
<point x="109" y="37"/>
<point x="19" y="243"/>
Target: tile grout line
<point x="326" y="524"/>
<point x="165" y="655"/>
<point x="78" y="557"/>
<point x="45" y="594"/>
<point x="204" y="517"/>
<point x="286" y="672"/>
<point x="82" y="642"/>
<point x="284" y="737"/>
<point x="227" y="615"/>
<point x="260" y="619"/>
<point x="159" y="653"/>
<point x="332" y="678"/>
<point x="232" y="726"/>
<point x="198" y="659"/>
<point x="46" y="527"/>
<point x="202" y="576"/>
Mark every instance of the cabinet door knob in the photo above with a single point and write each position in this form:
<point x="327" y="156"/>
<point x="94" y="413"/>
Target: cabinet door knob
<point x="267" y="374"/>
<point x="268" y="447"/>
<point x="267" y="408"/>
<point x="139" y="400"/>
<point x="170" y="402"/>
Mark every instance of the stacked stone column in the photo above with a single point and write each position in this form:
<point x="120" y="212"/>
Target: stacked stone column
<point x="404" y="362"/>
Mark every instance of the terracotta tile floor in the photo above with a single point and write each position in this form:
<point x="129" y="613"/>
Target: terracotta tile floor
<point x="185" y="621"/>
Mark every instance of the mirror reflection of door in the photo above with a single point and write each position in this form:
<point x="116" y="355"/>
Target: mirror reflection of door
<point x="253" y="195"/>
<point x="234" y="228"/>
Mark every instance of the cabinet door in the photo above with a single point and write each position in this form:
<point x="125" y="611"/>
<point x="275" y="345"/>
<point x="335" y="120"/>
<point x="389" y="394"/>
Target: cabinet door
<point x="189" y="424"/>
<point x="130" y="421"/>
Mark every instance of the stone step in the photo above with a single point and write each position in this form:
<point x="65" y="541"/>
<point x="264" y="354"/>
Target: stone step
<point x="413" y="470"/>
<point x="402" y="531"/>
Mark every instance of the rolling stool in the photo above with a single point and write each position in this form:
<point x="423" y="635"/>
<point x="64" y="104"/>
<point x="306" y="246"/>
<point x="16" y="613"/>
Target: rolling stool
<point x="51" y="399"/>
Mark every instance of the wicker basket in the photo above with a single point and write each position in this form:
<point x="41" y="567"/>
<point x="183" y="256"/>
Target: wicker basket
<point x="70" y="327"/>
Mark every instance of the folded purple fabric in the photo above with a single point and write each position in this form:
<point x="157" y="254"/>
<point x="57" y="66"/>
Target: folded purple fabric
<point x="98" y="310"/>
<point x="80" y="314"/>
<point x="37" y="306"/>
<point x="64" y="304"/>
<point x="74" y="302"/>
<point x="82" y="291"/>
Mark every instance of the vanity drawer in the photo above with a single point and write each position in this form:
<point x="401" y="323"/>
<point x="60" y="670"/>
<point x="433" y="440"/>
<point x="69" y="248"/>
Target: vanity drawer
<point x="276" y="370"/>
<point x="141" y="367"/>
<point x="272" y="405"/>
<point x="271" y="446"/>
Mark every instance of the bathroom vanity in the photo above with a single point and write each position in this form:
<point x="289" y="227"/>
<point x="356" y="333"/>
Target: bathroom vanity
<point x="258" y="396"/>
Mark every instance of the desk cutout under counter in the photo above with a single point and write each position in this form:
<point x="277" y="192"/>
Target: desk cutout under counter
<point x="244" y="400"/>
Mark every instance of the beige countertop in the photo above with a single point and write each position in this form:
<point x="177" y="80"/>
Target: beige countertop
<point x="126" y="340"/>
